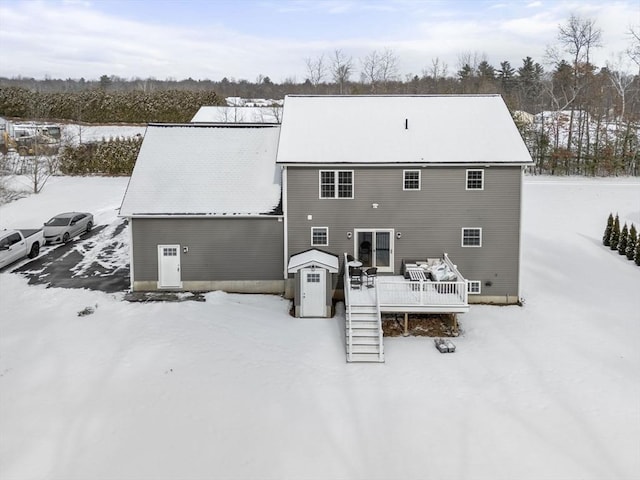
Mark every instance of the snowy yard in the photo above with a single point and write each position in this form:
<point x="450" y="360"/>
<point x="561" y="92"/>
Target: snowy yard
<point x="236" y="388"/>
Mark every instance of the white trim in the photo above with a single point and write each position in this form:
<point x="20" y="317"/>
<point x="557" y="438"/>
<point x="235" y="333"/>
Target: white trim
<point x="462" y="237"/>
<point x="466" y="178"/>
<point x="326" y="229"/>
<point x="336" y="184"/>
<point x="476" y="283"/>
<point x="217" y="215"/>
<point x="404" y="180"/>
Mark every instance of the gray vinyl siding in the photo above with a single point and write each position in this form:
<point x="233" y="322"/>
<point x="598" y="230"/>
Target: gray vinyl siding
<point x="430" y="220"/>
<point x="219" y="248"/>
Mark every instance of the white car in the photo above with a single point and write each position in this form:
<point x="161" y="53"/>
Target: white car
<point x="65" y="226"/>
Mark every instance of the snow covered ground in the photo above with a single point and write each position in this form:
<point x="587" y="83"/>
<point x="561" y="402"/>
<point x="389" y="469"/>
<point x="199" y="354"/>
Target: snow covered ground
<point x="236" y="388"/>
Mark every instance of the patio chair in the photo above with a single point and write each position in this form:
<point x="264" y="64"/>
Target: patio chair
<point x="355" y="277"/>
<point x="350" y="258"/>
<point x="371" y="273"/>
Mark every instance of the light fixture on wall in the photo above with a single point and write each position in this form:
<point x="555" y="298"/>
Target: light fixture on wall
<point x="374" y="205"/>
<point x="398" y="234"/>
<point x="349" y="235"/>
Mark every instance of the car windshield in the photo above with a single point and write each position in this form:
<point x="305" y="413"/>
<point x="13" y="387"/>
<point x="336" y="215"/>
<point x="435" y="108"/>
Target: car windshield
<point x="58" y="222"/>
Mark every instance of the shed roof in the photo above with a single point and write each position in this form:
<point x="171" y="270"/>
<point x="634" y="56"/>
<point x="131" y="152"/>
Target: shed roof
<point x="313" y="258"/>
<point x="385" y="129"/>
<point x="198" y="169"/>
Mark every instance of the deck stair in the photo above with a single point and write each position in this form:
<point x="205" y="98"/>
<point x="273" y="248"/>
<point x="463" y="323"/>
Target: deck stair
<point x="364" y="342"/>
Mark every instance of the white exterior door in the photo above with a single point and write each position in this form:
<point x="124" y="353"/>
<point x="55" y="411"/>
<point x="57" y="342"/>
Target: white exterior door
<point x="313" y="292"/>
<point x="374" y="248"/>
<point x="169" y="266"/>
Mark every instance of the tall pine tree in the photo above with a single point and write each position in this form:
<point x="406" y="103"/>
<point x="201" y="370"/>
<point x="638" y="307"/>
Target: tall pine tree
<point x="607" y="231"/>
<point x="622" y="242"/>
<point x="632" y="241"/>
<point x="636" y="257"/>
<point x="615" y="234"/>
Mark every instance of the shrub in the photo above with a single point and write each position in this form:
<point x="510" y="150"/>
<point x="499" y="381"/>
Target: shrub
<point x="632" y="241"/>
<point x="607" y="231"/>
<point x="622" y="242"/>
<point x="614" y="238"/>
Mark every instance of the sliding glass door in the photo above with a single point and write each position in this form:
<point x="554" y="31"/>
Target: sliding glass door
<point x="374" y="248"/>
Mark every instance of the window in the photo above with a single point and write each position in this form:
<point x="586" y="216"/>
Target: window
<point x="471" y="237"/>
<point x="319" y="236"/>
<point x="336" y="184"/>
<point x="475" y="179"/>
<point x="313" y="278"/>
<point x="411" y="180"/>
<point x="473" y="286"/>
<point x="169" y="252"/>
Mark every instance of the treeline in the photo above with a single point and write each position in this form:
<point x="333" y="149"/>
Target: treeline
<point x="100" y="106"/>
<point x="110" y="157"/>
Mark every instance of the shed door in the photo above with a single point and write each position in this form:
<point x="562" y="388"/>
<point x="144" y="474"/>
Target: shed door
<point x="313" y="292"/>
<point x="169" y="266"/>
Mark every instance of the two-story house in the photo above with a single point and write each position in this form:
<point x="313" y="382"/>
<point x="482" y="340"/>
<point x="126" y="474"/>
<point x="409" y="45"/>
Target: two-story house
<point x="393" y="183"/>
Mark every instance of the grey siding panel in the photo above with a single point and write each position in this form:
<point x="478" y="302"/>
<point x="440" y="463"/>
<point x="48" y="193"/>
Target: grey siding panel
<point x="430" y="219"/>
<point x="219" y="248"/>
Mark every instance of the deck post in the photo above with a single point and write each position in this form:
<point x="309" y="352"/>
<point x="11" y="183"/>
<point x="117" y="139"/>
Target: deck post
<point x="406" y="324"/>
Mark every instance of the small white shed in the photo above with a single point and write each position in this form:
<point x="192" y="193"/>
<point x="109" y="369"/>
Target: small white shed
<point x="313" y="270"/>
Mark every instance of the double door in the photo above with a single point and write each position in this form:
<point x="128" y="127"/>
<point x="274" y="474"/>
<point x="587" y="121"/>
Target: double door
<point x="374" y="248"/>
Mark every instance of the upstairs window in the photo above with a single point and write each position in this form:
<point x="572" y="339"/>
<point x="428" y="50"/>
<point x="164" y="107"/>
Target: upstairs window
<point x="336" y="183"/>
<point x="319" y="236"/>
<point x="475" y="179"/>
<point x="411" y="180"/>
<point x="471" y="237"/>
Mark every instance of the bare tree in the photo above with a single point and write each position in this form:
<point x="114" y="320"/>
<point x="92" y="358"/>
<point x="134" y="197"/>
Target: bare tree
<point x="341" y="69"/>
<point x="379" y="68"/>
<point x="316" y="70"/>
<point x="437" y="70"/>
<point x="41" y="169"/>
<point x="634" y="49"/>
<point x="577" y="37"/>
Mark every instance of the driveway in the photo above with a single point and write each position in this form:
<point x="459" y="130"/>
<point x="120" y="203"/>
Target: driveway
<point x="93" y="261"/>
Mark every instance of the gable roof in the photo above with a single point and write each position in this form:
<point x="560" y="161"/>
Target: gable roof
<point x="404" y="129"/>
<point x="195" y="169"/>
<point x="313" y="258"/>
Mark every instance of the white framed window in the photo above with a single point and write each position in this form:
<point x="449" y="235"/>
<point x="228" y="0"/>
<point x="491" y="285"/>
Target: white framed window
<point x="411" y="179"/>
<point x="313" y="278"/>
<point x="475" y="179"/>
<point x="336" y="183"/>
<point x="474" y="287"/>
<point x="319" y="236"/>
<point x="471" y="237"/>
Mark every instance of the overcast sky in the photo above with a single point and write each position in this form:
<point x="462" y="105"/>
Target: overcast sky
<point x="241" y="39"/>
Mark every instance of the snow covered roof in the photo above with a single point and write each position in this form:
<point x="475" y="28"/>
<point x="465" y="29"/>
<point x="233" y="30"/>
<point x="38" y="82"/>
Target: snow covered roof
<point x="313" y="258"/>
<point x="383" y="129"/>
<point x="238" y="114"/>
<point x="197" y="169"/>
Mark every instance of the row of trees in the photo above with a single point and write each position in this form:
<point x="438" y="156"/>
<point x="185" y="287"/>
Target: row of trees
<point x="625" y="241"/>
<point x="111" y="157"/>
<point x="99" y="106"/>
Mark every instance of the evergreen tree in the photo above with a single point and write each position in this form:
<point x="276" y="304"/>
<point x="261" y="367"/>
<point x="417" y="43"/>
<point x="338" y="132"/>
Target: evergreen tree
<point x="607" y="231"/>
<point x="632" y="242"/>
<point x="622" y="242"/>
<point x="615" y="234"/>
<point x="636" y="258"/>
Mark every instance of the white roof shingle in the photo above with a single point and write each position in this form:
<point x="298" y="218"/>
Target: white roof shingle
<point x="199" y="169"/>
<point x="387" y="129"/>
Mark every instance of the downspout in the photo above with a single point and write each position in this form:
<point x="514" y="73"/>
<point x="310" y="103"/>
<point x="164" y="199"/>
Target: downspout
<point x="518" y="299"/>
<point x="286" y="225"/>
<point x="131" y="262"/>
